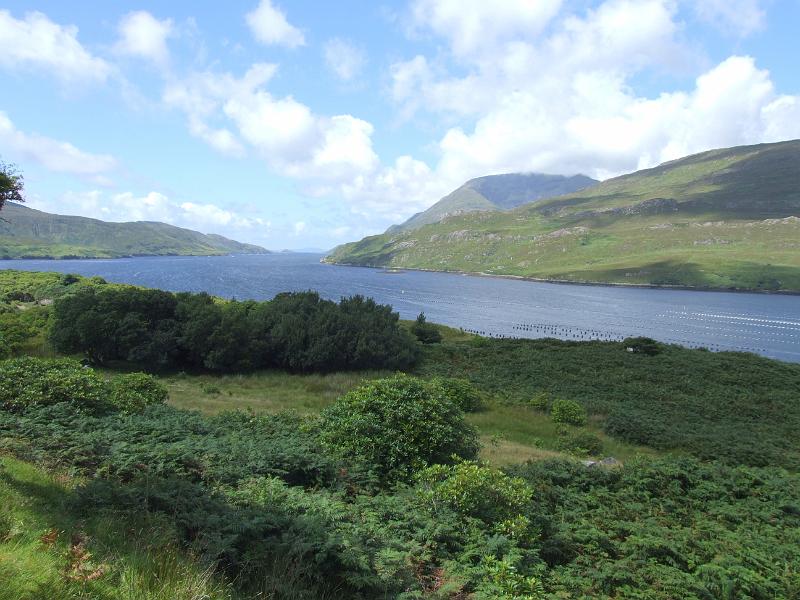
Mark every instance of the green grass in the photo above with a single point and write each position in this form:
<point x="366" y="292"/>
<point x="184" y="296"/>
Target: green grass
<point x="723" y="219"/>
<point x="509" y="433"/>
<point x="513" y="434"/>
<point x="49" y="552"/>
<point x="266" y="391"/>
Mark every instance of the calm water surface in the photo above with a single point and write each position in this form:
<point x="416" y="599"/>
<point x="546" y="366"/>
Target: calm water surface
<point x="765" y="324"/>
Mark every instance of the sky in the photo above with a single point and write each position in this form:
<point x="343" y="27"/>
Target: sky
<point x="306" y="124"/>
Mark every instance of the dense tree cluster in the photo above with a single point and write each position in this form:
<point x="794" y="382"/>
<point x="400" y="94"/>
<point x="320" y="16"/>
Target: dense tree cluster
<point x="294" y="331"/>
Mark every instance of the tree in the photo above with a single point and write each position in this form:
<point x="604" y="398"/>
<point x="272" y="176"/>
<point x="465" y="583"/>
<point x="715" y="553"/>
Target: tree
<point x="427" y="333"/>
<point x="568" y="411"/>
<point x="397" y="426"/>
<point x="11" y="184"/>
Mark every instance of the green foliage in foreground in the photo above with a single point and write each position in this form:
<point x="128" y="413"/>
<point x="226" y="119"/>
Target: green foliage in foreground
<point x="664" y="529"/>
<point x="30" y="381"/>
<point x="397" y="426"/>
<point x="50" y="549"/>
<point x="260" y="500"/>
<point x="735" y="407"/>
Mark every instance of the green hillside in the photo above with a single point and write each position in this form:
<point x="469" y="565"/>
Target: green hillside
<point x="29" y="233"/>
<point x="720" y="219"/>
<point x="496" y="192"/>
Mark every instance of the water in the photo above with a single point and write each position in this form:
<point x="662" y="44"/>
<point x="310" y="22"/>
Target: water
<point x="764" y="324"/>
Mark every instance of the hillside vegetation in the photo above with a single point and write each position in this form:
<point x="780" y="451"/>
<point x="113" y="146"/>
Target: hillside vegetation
<point x="496" y="192"/>
<point x="184" y="485"/>
<point x="29" y="233"/>
<point x="721" y="219"/>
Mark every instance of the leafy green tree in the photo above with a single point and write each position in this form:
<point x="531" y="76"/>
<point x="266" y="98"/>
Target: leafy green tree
<point x="427" y="333"/>
<point x="397" y="426"/>
<point x="11" y="184"/>
<point x="568" y="411"/>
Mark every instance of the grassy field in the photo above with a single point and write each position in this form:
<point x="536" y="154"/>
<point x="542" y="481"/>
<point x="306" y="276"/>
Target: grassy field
<point x="724" y="219"/>
<point x="510" y="433"/>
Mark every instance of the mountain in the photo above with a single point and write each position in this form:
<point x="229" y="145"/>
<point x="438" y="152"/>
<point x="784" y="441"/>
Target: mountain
<point x="496" y="192"/>
<point x="29" y="233"/>
<point x="727" y="218"/>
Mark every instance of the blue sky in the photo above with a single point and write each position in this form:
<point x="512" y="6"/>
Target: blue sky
<point x="297" y="124"/>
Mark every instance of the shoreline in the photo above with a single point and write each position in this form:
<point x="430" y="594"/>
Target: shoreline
<point x="685" y="288"/>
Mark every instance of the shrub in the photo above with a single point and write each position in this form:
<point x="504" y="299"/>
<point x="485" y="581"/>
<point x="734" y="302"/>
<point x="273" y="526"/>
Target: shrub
<point x="70" y="278"/>
<point x="33" y="381"/>
<point x="398" y="425"/>
<point x="461" y="392"/>
<point x="568" y="411"/>
<point x="582" y="444"/>
<point x="641" y="345"/>
<point x="427" y="333"/>
<point x="133" y="392"/>
<point x="541" y="401"/>
<point x="476" y="490"/>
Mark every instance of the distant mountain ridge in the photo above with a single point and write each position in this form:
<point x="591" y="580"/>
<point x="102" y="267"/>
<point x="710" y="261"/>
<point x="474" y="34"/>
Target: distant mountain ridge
<point x="496" y="192"/>
<point x="726" y="218"/>
<point x="30" y="233"/>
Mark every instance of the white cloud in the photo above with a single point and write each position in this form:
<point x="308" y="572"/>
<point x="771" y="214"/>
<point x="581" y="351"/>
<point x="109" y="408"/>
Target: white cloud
<point x="233" y="114"/>
<point x="299" y="227"/>
<point x="344" y="59"/>
<point x="144" y="36"/>
<point x="562" y="101"/>
<point x="269" y="26"/>
<point x="201" y="97"/>
<point x="55" y="155"/>
<point x="739" y="17"/>
<point x="471" y="26"/>
<point x="36" y="42"/>
<point x="212" y="215"/>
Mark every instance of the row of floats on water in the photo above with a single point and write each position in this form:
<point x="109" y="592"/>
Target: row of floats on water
<point x="542" y="330"/>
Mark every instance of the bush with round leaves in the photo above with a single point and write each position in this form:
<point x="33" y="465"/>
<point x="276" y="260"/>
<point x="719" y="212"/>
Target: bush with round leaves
<point x="581" y="444"/>
<point x="133" y="392"/>
<point x="29" y="381"/>
<point x="476" y="490"/>
<point x="461" y="392"/>
<point x="398" y="425"/>
<point x="568" y="411"/>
